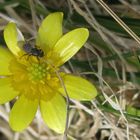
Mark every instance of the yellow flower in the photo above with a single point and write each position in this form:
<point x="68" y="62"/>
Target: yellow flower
<point x="35" y="81"/>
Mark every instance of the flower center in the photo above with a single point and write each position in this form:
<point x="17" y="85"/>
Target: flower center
<point x="34" y="80"/>
<point x="37" y="71"/>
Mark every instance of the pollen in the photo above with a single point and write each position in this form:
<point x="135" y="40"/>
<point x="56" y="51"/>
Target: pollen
<point x="37" y="71"/>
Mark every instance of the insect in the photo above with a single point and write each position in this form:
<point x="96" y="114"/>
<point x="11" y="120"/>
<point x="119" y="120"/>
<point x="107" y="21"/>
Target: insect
<point x="33" y="51"/>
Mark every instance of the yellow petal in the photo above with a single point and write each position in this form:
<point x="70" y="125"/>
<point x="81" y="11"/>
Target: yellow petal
<point x="50" y="31"/>
<point x="22" y="113"/>
<point x="7" y="93"/>
<point x="12" y="36"/>
<point x="68" y="45"/>
<point x="78" y="88"/>
<point x="5" y="58"/>
<point x="54" y="113"/>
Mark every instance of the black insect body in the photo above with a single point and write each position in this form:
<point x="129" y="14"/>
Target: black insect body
<point x="30" y="50"/>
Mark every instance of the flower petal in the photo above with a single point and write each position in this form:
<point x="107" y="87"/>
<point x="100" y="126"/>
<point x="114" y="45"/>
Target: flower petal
<point x="5" y="58"/>
<point x="68" y="45"/>
<point x="7" y="93"/>
<point x="12" y="36"/>
<point x="54" y="113"/>
<point x="23" y="113"/>
<point x="50" y="31"/>
<point x="78" y="88"/>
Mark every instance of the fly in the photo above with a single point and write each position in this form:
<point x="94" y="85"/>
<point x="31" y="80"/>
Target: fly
<point x="33" y="51"/>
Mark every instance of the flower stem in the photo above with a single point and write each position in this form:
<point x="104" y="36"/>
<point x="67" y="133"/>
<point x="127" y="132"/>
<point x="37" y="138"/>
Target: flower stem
<point x="68" y="103"/>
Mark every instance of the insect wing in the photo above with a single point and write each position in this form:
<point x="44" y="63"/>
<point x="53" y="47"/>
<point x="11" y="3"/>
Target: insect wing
<point x="21" y="44"/>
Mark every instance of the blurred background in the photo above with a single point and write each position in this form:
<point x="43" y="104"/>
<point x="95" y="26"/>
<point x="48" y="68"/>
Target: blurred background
<point x="109" y="59"/>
